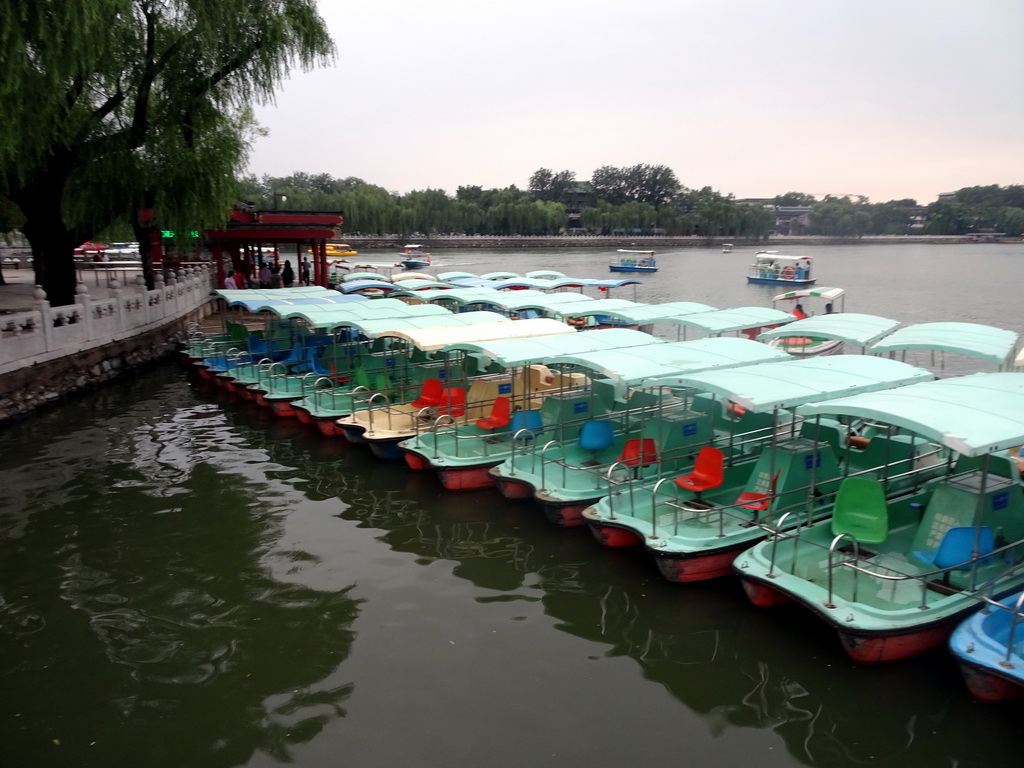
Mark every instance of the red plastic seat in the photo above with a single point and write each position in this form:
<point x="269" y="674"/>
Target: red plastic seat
<point x="452" y="401"/>
<point x="430" y="394"/>
<point x="639" y="452"/>
<point x="758" y="502"/>
<point x="501" y="414"/>
<point x="708" y="472"/>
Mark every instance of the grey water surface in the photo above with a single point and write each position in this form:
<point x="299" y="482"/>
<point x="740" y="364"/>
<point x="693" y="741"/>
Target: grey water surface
<point x="186" y="580"/>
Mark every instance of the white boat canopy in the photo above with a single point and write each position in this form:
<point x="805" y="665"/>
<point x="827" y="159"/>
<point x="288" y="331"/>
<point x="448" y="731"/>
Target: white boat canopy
<point x="510" y="352"/>
<point x="327" y="320"/>
<point x="544" y="274"/>
<point x="985" y="342"/>
<point x="273" y="293"/>
<point x="828" y="294"/>
<point x="432" y="339"/>
<point x="796" y="382"/>
<point x="663" y="364"/>
<point x="851" y="327"/>
<point x="973" y="415"/>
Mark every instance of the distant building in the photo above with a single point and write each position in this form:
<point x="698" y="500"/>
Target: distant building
<point x="578" y="197"/>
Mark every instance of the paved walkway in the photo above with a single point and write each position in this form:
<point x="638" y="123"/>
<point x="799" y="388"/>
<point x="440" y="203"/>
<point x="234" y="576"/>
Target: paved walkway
<point x="21" y="284"/>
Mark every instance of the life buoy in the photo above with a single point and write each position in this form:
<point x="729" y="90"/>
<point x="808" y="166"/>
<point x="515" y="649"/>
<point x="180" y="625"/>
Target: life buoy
<point x="643" y="263"/>
<point x="788" y="273"/>
<point x="735" y="410"/>
<point x="578" y="322"/>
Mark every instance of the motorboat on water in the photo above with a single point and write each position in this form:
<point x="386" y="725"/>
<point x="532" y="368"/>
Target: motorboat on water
<point x="633" y="261"/>
<point x="894" y="569"/>
<point x="414" y="257"/>
<point x="772" y="268"/>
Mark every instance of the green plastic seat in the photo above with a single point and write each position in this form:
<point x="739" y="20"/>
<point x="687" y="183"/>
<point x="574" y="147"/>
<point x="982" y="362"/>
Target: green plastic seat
<point x="861" y="510"/>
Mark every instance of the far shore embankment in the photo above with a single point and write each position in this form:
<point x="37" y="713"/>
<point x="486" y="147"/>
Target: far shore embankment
<point x="390" y="242"/>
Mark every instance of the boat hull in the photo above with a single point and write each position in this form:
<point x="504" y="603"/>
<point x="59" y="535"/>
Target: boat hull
<point x="988" y="685"/>
<point x="616" y="268"/>
<point x="465" y="478"/>
<point x="612" y="535"/>
<point x="696" y="567"/>
<point x="512" y="489"/>
<point x="776" y="281"/>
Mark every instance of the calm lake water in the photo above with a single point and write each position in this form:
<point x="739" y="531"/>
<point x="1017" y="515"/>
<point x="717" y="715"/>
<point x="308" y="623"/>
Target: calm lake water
<point x="186" y="580"/>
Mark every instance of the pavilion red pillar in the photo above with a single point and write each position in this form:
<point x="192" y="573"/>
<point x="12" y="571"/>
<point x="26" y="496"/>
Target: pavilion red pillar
<point x="322" y="257"/>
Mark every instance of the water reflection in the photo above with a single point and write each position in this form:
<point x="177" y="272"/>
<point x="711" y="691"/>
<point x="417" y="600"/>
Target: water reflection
<point x="182" y="564"/>
<point x="137" y="552"/>
<point x="737" y="667"/>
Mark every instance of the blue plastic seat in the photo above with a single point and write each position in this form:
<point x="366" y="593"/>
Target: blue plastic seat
<point x="596" y="436"/>
<point x="957" y="546"/>
<point x="528" y="420"/>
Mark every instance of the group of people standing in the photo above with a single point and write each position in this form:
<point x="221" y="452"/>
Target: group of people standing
<point x="272" y="276"/>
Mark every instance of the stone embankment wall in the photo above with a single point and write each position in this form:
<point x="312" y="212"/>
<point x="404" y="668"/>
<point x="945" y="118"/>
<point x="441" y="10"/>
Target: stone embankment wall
<point x="47" y="353"/>
<point x="48" y="382"/>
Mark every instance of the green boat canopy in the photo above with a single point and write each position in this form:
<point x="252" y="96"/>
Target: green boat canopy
<point x="432" y="339"/>
<point x="446" y="276"/>
<point x="721" y="321"/>
<point x="664" y="364"/>
<point x="325" y="320"/>
<point x="642" y="314"/>
<point x="764" y="387"/>
<point x="981" y="341"/>
<point x="460" y="296"/>
<point x="364" y="276"/>
<point x="613" y="307"/>
<point x="375" y="327"/>
<point x="511" y="352"/>
<point x="973" y="415"/>
<point x="300" y="292"/>
<point x="851" y="327"/>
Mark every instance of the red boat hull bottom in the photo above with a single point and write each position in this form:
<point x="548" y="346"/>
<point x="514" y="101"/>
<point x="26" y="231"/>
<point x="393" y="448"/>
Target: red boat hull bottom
<point x="610" y="536"/>
<point x="882" y="648"/>
<point x="984" y="686"/>
<point x="701" y="568"/>
<point x="762" y="595"/>
<point x="566" y="515"/>
<point x="282" y="408"/>
<point x="328" y="427"/>
<point x="469" y="479"/>
<point x="415" y="461"/>
<point x="304" y="416"/>
<point x="512" y="489"/>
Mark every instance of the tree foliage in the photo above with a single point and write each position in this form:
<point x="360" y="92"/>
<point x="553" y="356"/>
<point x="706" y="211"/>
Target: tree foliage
<point x="117" y="105"/>
<point x="655" y="185"/>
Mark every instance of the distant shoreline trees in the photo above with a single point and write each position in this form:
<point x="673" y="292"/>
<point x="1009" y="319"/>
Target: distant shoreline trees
<point x="636" y="200"/>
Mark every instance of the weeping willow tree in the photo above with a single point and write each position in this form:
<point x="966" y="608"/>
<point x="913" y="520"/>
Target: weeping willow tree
<point x="114" y="106"/>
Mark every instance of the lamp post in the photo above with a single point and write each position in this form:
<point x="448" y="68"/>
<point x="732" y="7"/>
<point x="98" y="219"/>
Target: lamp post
<point x="279" y="196"/>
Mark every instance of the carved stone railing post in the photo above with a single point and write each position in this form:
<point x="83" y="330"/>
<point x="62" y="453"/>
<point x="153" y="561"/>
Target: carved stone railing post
<point x="39" y="296"/>
<point x="82" y="300"/>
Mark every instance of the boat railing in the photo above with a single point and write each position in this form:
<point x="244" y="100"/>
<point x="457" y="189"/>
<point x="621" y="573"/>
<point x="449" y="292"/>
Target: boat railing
<point x="371" y="410"/>
<point x="927" y="578"/>
<point x="832" y="549"/>
<point x="784" y="530"/>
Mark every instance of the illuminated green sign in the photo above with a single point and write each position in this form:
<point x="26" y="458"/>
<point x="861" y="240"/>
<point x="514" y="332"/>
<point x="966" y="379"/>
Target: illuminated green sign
<point x="170" y="233"/>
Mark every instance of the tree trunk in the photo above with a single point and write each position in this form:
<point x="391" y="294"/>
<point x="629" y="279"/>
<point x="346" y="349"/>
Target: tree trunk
<point x="53" y="243"/>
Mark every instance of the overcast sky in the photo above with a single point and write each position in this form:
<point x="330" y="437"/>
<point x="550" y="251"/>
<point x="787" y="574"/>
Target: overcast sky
<point x="884" y="98"/>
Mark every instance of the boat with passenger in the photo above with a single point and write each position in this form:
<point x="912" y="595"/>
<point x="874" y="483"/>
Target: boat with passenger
<point x="414" y="257"/>
<point x="633" y="261"/>
<point x="772" y="268"/>
<point x="802" y="304"/>
<point x="908" y="553"/>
